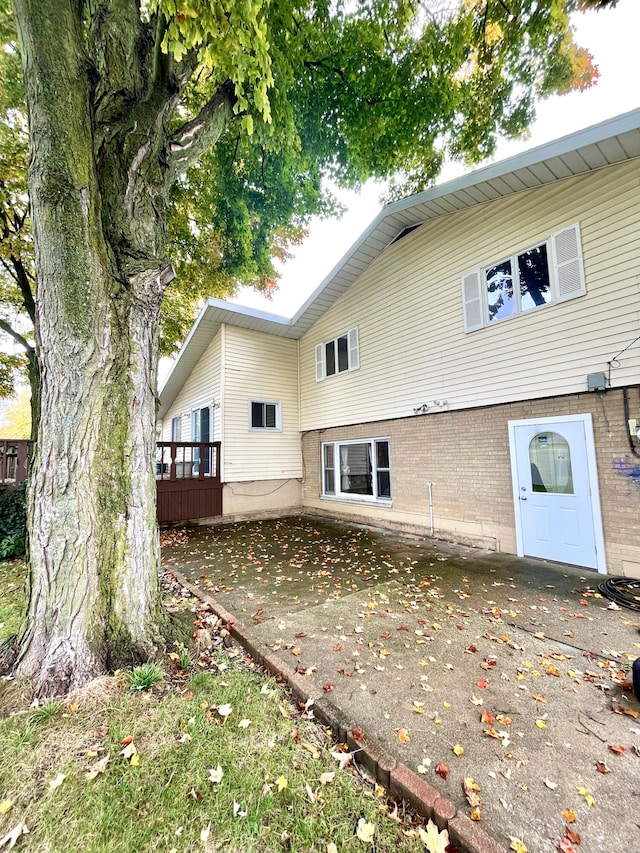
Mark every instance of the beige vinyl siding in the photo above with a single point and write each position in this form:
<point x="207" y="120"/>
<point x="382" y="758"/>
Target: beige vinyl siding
<point x="202" y="388"/>
<point x="408" y="309"/>
<point x="260" y="367"/>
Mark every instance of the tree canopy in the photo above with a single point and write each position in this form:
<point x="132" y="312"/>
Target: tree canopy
<point x="346" y="91"/>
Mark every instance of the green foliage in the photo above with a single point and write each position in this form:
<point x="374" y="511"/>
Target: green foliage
<point x="47" y="711"/>
<point x="145" y="676"/>
<point x="381" y="88"/>
<point x="13" y="522"/>
<point x="185" y="660"/>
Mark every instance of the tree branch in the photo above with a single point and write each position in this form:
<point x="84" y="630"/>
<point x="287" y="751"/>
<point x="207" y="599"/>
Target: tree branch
<point x="6" y="327"/>
<point x="196" y="136"/>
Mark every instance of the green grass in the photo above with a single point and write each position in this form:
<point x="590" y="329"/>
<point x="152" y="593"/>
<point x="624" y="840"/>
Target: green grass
<point x="168" y="799"/>
<point x="12" y="583"/>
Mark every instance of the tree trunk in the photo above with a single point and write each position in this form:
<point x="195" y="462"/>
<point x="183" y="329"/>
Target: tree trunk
<point x="94" y="597"/>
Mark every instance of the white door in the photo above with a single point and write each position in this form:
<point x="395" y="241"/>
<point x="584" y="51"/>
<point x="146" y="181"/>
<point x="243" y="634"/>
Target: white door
<point x="555" y="488"/>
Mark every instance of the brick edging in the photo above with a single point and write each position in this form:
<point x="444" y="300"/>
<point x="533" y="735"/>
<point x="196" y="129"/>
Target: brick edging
<point x="402" y="782"/>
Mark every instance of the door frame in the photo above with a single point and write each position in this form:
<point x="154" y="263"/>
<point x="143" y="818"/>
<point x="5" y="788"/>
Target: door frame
<point x="587" y="421"/>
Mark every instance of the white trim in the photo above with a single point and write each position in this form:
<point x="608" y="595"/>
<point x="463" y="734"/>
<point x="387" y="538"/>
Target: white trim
<point x="354" y="497"/>
<point x="592" y="468"/>
<point x="278" y="407"/>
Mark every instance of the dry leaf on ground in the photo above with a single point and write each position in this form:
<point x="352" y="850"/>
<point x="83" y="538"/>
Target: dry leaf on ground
<point x="434" y="840"/>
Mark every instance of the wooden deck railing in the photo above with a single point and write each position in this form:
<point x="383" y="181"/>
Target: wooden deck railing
<point x="187" y="476"/>
<point x="188" y="480"/>
<point x="14" y="456"/>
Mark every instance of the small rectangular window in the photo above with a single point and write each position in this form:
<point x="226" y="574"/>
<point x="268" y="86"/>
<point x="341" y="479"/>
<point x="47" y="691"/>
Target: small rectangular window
<point x="176" y="428"/>
<point x="264" y="415"/>
<point x="357" y="469"/>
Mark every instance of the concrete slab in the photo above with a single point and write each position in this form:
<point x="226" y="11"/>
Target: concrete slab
<point x="510" y="672"/>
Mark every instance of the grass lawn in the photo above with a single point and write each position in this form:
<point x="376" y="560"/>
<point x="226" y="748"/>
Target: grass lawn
<point x="215" y="760"/>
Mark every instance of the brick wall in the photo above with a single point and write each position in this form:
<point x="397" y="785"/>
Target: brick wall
<point x="465" y="456"/>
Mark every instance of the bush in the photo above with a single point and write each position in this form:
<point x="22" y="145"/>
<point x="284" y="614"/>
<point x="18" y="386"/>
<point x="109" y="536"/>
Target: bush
<point x="13" y="523"/>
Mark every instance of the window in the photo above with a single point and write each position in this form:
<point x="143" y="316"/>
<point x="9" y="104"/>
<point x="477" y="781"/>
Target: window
<point x="540" y="275"/>
<point x="176" y="428"/>
<point x="264" y="415"/>
<point x="357" y="469"/>
<point x="201" y="431"/>
<point x="338" y="355"/>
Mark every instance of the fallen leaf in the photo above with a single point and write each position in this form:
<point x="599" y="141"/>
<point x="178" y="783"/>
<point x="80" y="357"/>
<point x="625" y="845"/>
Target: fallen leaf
<point x="216" y="775"/>
<point x="433" y="839"/>
<point x="225" y="711"/>
<point x="601" y="767"/>
<point x="442" y="770"/>
<point x="487" y="718"/>
<point x="11" y="837"/>
<point x="5" y="806"/>
<point x="365" y="831"/>
<point x="482" y="683"/>
<point x="475" y="814"/>
<point x="204" y="833"/>
<point x="358" y="734"/>
<point x="328" y="687"/>
<point x="403" y="736"/>
<point x="590" y="801"/>
<point x="244" y="724"/>
<point x="619" y="750"/>
<point x="331" y="847"/>
<point x="238" y="811"/>
<point x="325" y="778"/>
<point x="569" y="815"/>
<point x="573" y="837"/>
<point x="551" y="785"/>
<point x="539" y="697"/>
<point x="135" y="760"/>
<point x="343" y="758"/>
<point x="471" y="791"/>
<point x="129" y="750"/>
<point x="541" y="724"/>
<point x="565" y="846"/>
<point x="517" y="845"/>
<point x="458" y="750"/>
<point x="281" y="783"/>
<point x="98" y="767"/>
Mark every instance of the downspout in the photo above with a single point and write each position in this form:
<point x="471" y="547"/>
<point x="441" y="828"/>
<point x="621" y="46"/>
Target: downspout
<point x="430" y="487"/>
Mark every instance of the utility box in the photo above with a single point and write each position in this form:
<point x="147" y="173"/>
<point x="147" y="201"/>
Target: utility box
<point x="597" y="381"/>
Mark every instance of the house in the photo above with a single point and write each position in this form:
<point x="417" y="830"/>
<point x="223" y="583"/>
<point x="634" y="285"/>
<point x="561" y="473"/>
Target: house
<point x="469" y="370"/>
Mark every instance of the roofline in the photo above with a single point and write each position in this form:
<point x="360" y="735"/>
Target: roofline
<point x="218" y="311"/>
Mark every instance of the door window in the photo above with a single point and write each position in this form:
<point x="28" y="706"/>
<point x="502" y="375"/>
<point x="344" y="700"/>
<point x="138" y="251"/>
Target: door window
<point x="550" y="460"/>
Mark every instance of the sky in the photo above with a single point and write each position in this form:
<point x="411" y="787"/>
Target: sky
<point x="611" y="35"/>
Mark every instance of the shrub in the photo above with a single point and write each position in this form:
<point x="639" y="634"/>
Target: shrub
<point x="13" y="522"/>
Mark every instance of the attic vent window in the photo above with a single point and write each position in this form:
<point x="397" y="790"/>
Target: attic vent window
<point x="404" y="233"/>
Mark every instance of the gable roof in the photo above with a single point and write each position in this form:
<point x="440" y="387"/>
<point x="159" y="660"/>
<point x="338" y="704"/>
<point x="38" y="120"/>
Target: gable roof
<point x="604" y="144"/>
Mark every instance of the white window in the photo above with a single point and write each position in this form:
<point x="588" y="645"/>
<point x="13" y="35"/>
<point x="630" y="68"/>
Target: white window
<point x="548" y="272"/>
<point x="265" y="415"/>
<point x="357" y="469"/>
<point x="338" y="355"/>
<point x="176" y="428"/>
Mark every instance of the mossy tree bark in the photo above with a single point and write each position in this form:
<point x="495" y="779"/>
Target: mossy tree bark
<point x="102" y="162"/>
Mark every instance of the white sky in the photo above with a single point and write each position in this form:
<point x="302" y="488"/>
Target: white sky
<point x="610" y="35"/>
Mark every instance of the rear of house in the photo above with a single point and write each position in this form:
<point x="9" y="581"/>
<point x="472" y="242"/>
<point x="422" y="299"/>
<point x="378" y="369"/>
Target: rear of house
<point x="469" y="371"/>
